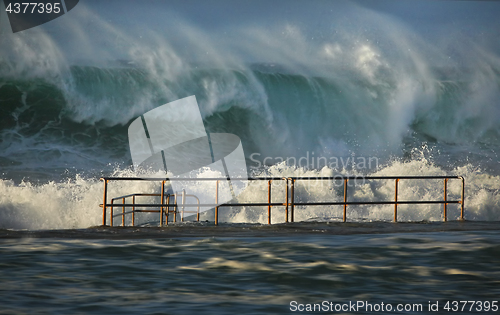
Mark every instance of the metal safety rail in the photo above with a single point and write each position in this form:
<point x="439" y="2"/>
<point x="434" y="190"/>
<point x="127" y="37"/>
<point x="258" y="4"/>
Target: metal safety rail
<point x="165" y="207"/>
<point x="123" y="205"/>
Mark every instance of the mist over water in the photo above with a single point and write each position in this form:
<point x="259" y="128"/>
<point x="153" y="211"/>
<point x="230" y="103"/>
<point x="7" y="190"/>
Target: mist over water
<point x="420" y="104"/>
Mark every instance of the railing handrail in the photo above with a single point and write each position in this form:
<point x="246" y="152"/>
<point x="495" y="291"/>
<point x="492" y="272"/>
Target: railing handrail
<point x="260" y="204"/>
<point x="149" y="195"/>
<point x="137" y="195"/>
<point x="339" y="177"/>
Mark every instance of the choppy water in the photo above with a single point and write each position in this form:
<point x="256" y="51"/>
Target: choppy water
<point x="247" y="275"/>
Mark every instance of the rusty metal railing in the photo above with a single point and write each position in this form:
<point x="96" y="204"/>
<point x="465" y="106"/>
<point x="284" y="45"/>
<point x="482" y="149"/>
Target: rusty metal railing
<point x="162" y="211"/>
<point x="289" y="203"/>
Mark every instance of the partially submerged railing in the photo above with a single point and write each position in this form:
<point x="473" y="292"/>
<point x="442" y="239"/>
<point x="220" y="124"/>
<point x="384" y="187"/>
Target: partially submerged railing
<point x="165" y="207"/>
<point x="123" y="205"/>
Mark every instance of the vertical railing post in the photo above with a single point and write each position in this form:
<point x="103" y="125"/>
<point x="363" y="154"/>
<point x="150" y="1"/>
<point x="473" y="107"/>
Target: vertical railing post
<point x="111" y="213"/>
<point x="198" y="211"/>
<point x="123" y="212"/>
<point x="286" y="206"/>
<point x="396" y="201"/>
<point x="345" y="199"/>
<point x="168" y="210"/>
<point x="176" y="208"/>
<point x="462" y="201"/>
<point x="162" y="196"/>
<point x="183" y="202"/>
<point x="292" y="206"/>
<point x="216" y="202"/>
<point x="269" y="200"/>
<point x="105" y="197"/>
<point x="445" y="197"/>
<point x="133" y="210"/>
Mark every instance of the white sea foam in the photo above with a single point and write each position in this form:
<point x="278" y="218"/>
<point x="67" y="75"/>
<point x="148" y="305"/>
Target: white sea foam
<point x="75" y="203"/>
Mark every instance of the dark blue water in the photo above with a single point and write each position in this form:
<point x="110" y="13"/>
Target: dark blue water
<point x="247" y="275"/>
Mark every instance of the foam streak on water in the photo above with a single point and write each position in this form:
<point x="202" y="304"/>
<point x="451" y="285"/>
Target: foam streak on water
<point x="253" y="275"/>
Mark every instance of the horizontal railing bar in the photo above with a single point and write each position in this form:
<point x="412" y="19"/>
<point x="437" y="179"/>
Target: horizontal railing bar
<point x="117" y="205"/>
<point x="138" y="194"/>
<point x="189" y="179"/>
<point x="147" y="210"/>
<point x="165" y="205"/>
<point x="148" y="195"/>
<point x="340" y="177"/>
<point x="372" y="203"/>
<point x="253" y="204"/>
<point x="129" y="212"/>
<point x="262" y="204"/>
<point x="376" y="177"/>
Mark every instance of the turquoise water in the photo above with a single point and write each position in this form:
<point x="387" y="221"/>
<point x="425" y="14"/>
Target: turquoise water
<point x="247" y="275"/>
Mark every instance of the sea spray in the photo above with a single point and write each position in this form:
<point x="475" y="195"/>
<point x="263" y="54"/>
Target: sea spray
<point x="75" y="203"/>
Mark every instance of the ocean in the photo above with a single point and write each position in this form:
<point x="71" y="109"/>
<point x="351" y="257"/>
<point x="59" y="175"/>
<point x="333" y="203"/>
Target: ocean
<point x="310" y="95"/>
<point x="251" y="274"/>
